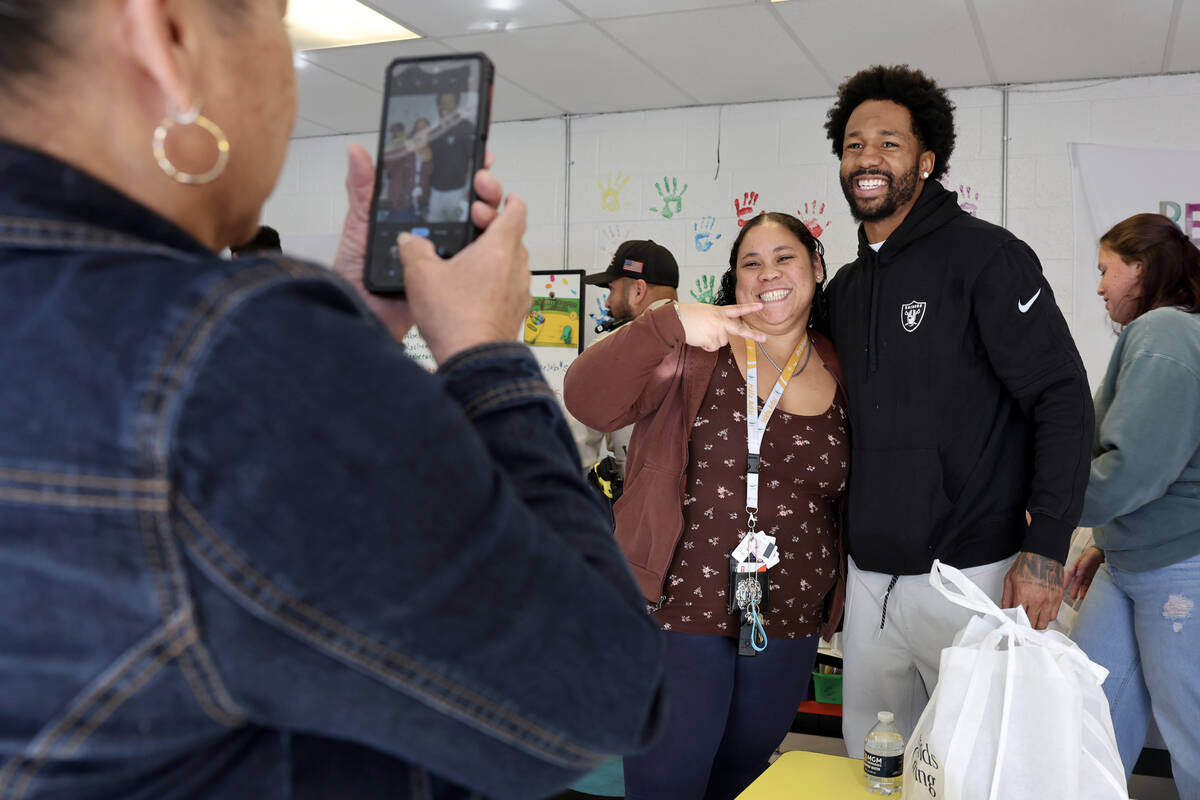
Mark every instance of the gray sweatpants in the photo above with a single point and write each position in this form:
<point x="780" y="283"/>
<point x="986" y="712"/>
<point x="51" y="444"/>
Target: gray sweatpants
<point x="894" y="668"/>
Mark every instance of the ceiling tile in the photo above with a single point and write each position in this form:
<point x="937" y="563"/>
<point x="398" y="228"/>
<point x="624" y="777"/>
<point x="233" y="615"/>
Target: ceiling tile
<point x="604" y="9"/>
<point x="304" y="129"/>
<point x="511" y="102"/>
<point x="1185" y="54"/>
<point x="669" y="43"/>
<point x="474" y="16"/>
<point x="576" y="67"/>
<point x="366" y="63"/>
<point x="338" y="103"/>
<point x="1107" y="38"/>
<point x="935" y="36"/>
<point x="650" y="54"/>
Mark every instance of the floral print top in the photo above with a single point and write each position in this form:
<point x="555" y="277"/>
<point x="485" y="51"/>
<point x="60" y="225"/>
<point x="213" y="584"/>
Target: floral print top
<point x="802" y="475"/>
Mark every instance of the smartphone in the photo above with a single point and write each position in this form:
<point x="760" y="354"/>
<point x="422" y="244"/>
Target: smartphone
<point x="432" y="139"/>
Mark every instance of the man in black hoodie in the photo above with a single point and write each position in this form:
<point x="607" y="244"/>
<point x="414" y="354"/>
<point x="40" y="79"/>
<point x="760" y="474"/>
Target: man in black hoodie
<point x="969" y="404"/>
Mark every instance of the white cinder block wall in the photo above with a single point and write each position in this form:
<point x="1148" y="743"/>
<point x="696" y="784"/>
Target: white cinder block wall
<point x="622" y="166"/>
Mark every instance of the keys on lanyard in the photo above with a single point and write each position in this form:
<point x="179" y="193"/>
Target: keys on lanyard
<point x="752" y="636"/>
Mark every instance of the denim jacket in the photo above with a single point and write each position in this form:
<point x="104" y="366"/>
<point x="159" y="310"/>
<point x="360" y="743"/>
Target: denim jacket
<point x="249" y="549"/>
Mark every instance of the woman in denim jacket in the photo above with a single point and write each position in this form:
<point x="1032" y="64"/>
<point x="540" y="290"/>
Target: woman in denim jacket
<point x="248" y="549"/>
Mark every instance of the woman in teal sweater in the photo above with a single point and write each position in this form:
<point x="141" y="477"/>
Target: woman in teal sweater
<point x="1139" y="619"/>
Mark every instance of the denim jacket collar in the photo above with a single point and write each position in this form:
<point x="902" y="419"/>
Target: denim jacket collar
<point x="40" y="189"/>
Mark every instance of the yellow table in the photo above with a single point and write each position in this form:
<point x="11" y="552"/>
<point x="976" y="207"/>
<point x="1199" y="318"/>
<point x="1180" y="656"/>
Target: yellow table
<point x="811" y="776"/>
<point x="798" y="775"/>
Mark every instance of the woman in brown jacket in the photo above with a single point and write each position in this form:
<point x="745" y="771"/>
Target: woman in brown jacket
<point x="408" y="163"/>
<point x="717" y="489"/>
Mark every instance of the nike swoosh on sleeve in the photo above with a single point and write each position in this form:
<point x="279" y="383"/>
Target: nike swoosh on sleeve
<point x="1023" y="307"/>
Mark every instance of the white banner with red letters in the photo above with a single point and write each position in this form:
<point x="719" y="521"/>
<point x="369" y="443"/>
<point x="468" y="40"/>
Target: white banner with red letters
<point x="1108" y="185"/>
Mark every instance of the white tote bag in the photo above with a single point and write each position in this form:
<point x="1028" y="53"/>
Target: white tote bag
<point x="1017" y="714"/>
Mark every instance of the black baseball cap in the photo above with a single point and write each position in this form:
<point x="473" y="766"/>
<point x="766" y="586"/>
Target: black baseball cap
<point x="639" y="258"/>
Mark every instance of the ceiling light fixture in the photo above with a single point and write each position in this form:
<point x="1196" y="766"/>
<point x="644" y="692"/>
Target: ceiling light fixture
<point x="314" y="24"/>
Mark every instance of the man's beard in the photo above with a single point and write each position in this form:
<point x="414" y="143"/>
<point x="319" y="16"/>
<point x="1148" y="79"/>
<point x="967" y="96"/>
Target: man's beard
<point x="899" y="192"/>
<point x="620" y="311"/>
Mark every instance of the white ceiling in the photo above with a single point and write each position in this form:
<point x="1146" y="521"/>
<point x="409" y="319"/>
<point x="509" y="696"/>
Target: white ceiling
<point x="556" y="57"/>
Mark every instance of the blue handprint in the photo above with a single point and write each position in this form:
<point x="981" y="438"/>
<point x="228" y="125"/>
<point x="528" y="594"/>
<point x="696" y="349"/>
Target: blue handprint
<point x="603" y="316"/>
<point x="703" y="230"/>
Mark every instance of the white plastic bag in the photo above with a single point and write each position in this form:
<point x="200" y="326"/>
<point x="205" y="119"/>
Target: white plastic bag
<point x="1017" y="714"/>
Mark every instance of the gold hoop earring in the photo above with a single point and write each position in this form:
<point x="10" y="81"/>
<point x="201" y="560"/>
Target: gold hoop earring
<point x="190" y="117"/>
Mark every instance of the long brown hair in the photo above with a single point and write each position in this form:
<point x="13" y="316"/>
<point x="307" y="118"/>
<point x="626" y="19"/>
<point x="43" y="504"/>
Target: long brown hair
<point x="1170" y="261"/>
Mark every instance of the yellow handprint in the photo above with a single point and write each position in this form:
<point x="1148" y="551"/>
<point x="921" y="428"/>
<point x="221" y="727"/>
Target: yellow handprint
<point x="610" y="195"/>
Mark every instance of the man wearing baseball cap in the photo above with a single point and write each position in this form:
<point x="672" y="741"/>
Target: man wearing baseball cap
<point x="642" y="273"/>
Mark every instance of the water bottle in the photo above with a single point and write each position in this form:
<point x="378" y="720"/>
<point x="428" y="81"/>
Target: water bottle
<point x="883" y="757"/>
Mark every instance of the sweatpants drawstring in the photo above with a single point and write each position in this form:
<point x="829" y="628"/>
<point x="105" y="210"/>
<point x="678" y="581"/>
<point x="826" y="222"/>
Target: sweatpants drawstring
<point x="886" y="595"/>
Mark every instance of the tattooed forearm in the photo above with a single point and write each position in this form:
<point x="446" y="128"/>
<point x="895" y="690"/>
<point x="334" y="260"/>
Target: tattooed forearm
<point x="1039" y="571"/>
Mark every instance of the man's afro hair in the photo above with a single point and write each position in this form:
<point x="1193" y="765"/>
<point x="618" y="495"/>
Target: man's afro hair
<point x="930" y="107"/>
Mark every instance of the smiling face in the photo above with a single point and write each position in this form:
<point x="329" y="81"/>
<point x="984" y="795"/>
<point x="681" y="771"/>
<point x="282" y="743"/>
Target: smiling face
<point x="1120" y="285"/>
<point x="882" y="162"/>
<point x="775" y="268"/>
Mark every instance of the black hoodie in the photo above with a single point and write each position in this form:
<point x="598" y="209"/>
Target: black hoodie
<point x="968" y="400"/>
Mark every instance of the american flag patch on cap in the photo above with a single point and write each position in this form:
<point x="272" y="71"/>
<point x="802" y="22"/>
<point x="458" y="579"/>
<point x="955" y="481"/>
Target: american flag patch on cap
<point x="634" y="266"/>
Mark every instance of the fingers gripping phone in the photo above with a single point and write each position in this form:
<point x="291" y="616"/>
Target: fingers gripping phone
<point x="431" y="143"/>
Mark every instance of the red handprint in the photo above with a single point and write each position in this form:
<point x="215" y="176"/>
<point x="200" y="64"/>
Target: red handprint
<point x="811" y="217"/>
<point x="964" y="200"/>
<point x="745" y="209"/>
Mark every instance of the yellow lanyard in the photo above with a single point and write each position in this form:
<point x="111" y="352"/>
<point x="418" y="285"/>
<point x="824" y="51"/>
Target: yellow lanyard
<point x="756" y="423"/>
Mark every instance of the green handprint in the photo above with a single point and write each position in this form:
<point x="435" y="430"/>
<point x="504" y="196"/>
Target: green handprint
<point x="706" y="290"/>
<point x="671" y="195"/>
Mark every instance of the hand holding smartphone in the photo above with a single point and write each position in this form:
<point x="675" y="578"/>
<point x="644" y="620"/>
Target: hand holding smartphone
<point x="432" y="142"/>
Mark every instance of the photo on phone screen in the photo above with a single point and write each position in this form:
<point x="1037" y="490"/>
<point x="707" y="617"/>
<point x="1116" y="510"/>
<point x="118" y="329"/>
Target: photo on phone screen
<point x="432" y="140"/>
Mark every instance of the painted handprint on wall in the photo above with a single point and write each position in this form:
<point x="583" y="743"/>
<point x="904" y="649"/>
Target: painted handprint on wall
<point x="600" y="316"/>
<point x="745" y="209"/>
<point x="966" y="202"/>
<point x="611" y="236"/>
<point x="608" y="239"/>
<point x="703" y="229"/>
<point x="672" y="197"/>
<point x="706" y="290"/>
<point x="813" y="217"/>
<point x="610" y="193"/>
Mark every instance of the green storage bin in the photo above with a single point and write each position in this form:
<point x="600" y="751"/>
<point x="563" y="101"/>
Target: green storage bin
<point x="827" y="687"/>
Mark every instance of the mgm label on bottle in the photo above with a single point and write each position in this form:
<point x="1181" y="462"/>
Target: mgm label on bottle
<point x="877" y="766"/>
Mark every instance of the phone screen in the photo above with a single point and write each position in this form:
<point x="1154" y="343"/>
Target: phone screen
<point x="431" y="144"/>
